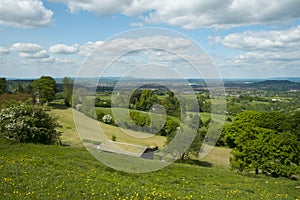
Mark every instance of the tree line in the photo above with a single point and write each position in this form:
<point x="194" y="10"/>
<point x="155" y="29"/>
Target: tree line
<point x="24" y="114"/>
<point x="42" y="90"/>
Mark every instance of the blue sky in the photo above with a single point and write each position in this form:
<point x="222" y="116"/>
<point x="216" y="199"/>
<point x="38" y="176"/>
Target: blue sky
<point x="245" y="39"/>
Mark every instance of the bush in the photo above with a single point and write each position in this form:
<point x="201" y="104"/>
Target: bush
<point x="100" y="114"/>
<point x="23" y="122"/>
<point x="107" y="119"/>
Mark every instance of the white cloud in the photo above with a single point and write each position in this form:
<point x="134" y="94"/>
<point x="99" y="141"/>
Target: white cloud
<point x="266" y="53"/>
<point x="89" y="47"/>
<point x="192" y="14"/>
<point x="26" y="47"/>
<point x="63" y="49"/>
<point x="263" y="40"/>
<point x="46" y="60"/>
<point x="24" y="13"/>
<point x="3" y="50"/>
<point x="268" y="58"/>
<point x="158" y="41"/>
<point x="37" y="55"/>
<point x="137" y="24"/>
<point x="65" y="61"/>
<point x="123" y="54"/>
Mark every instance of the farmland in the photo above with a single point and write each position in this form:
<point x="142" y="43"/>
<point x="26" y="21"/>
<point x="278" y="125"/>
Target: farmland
<point x="36" y="171"/>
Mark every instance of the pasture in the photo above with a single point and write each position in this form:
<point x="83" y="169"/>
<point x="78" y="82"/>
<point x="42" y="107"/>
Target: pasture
<point x="30" y="171"/>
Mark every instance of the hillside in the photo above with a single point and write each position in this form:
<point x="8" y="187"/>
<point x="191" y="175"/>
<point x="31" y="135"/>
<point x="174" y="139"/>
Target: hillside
<point x="31" y="171"/>
<point x="70" y="136"/>
<point x="278" y="85"/>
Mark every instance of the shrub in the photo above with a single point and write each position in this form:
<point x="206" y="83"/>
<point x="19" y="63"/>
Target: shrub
<point x="23" y="122"/>
<point x="107" y="119"/>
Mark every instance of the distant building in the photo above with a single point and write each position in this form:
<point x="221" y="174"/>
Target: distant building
<point x="149" y="152"/>
<point x="131" y="149"/>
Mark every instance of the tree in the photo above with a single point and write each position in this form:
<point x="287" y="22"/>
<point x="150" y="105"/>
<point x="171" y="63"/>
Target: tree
<point x="171" y="104"/>
<point x="27" y="123"/>
<point x="3" y="85"/>
<point x="263" y="141"/>
<point x="169" y="129"/>
<point x="44" y="89"/>
<point x="242" y="120"/>
<point x="113" y="138"/>
<point x="146" y="100"/>
<point x="68" y="84"/>
<point x="195" y="147"/>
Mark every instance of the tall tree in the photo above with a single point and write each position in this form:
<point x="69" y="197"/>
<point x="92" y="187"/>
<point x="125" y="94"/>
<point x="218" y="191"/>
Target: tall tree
<point x="264" y="141"/>
<point x="68" y="84"/>
<point x="2" y="85"/>
<point x="146" y="100"/>
<point x="44" y="89"/>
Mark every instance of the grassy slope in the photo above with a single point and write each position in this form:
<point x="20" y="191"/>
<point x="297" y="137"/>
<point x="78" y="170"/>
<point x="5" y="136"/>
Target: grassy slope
<point x="30" y="171"/>
<point x="218" y="157"/>
<point x="71" y="137"/>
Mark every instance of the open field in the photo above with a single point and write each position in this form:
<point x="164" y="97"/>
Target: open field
<point x="29" y="171"/>
<point x="218" y="157"/>
<point x="204" y="115"/>
<point x="71" y="137"/>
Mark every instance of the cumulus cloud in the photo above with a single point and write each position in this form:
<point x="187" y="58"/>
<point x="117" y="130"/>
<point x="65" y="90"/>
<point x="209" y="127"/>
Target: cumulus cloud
<point x="46" y="60"/>
<point x="63" y="49"/>
<point x="3" y="50"/>
<point x="263" y="40"/>
<point x="159" y="42"/>
<point x="87" y="48"/>
<point x="192" y="14"/>
<point x="24" y="13"/>
<point x="265" y="51"/>
<point x="122" y="54"/>
<point x="26" y="47"/>
<point x="37" y="55"/>
<point x="274" y="58"/>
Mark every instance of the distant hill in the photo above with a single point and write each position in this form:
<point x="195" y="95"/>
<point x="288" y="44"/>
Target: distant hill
<point x="293" y="79"/>
<point x="276" y="85"/>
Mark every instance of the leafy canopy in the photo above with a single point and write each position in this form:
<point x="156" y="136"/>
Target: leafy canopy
<point x="266" y="142"/>
<point x="27" y="123"/>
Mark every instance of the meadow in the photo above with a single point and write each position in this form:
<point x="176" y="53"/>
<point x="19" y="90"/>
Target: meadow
<point x="31" y="171"/>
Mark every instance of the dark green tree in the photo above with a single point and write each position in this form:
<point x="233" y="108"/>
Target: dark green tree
<point x="3" y="85"/>
<point x="146" y="100"/>
<point x="44" y="89"/>
<point x="263" y="142"/>
<point x="68" y="84"/>
<point x="171" y="104"/>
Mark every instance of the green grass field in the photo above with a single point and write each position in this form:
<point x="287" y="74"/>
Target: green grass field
<point x="219" y="156"/>
<point x="29" y="171"/>
<point x="70" y="136"/>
